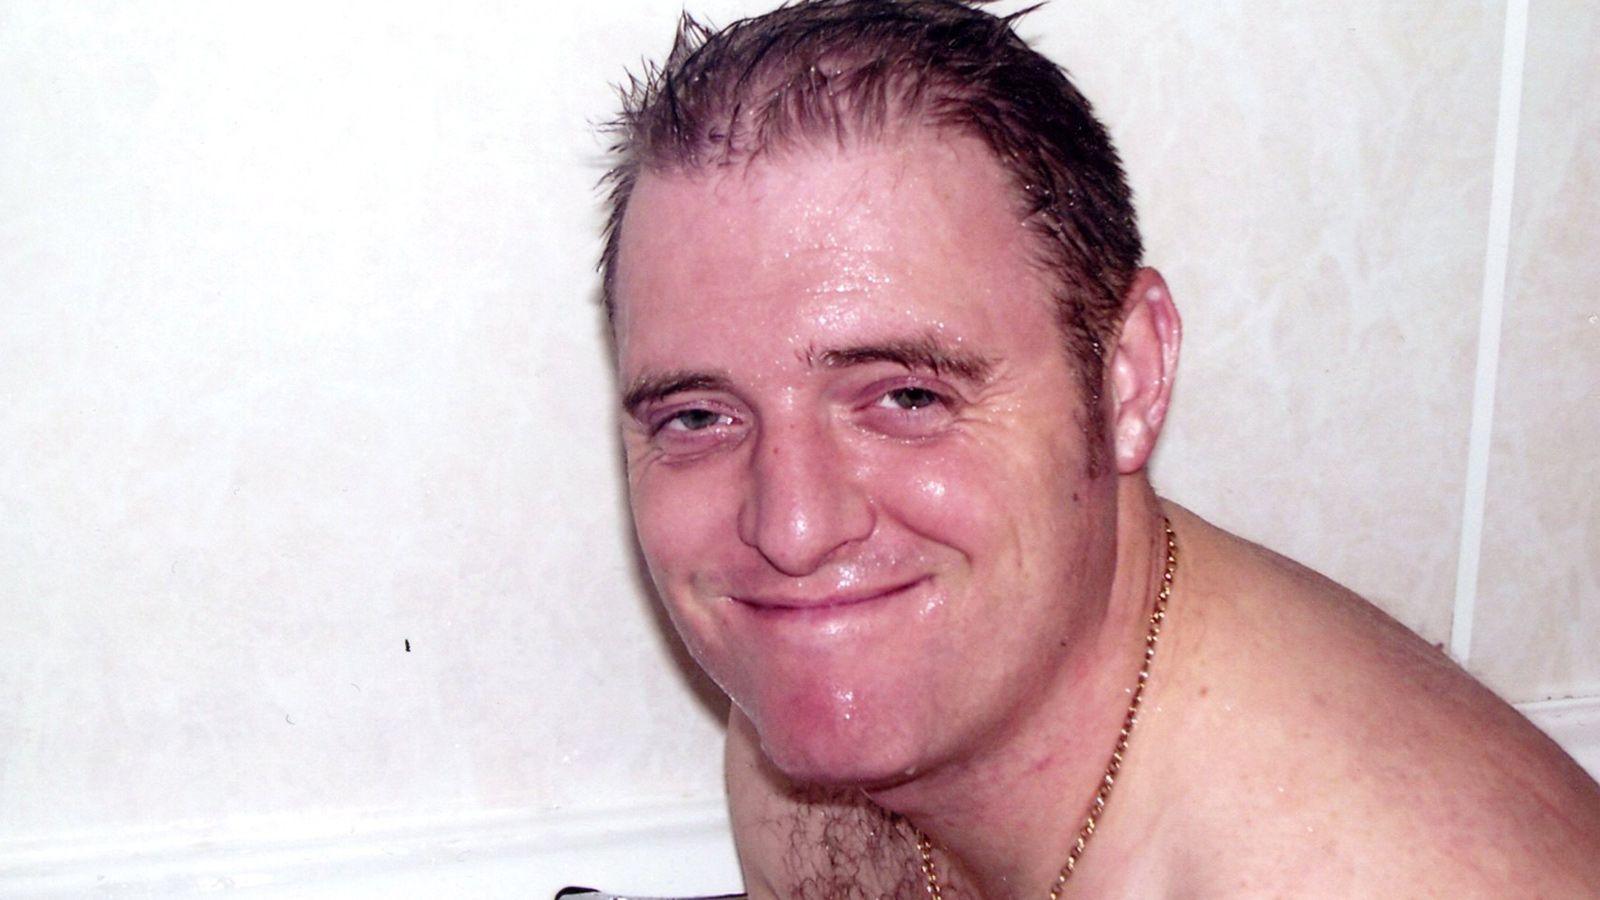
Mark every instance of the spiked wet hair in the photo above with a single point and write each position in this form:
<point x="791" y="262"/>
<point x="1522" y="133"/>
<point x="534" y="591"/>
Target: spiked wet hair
<point x="848" y="72"/>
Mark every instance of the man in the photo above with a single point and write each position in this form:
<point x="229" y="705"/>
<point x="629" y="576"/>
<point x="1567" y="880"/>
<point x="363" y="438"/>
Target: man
<point x="892" y="371"/>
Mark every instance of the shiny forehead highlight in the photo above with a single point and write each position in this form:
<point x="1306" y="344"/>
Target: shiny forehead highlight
<point x="843" y="73"/>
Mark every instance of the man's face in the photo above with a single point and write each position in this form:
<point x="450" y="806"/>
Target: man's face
<point x="856" y="451"/>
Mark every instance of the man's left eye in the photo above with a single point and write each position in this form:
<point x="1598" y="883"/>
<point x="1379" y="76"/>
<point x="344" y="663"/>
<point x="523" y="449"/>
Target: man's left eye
<point x="909" y="398"/>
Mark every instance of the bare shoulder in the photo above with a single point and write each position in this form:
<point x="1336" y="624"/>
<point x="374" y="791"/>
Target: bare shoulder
<point x="1355" y="753"/>
<point x="798" y="841"/>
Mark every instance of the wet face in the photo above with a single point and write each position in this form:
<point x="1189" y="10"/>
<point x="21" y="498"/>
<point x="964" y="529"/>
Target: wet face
<point x="856" y="459"/>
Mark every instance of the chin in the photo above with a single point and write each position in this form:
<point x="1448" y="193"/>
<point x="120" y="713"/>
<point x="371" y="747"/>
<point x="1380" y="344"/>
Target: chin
<point x="820" y="743"/>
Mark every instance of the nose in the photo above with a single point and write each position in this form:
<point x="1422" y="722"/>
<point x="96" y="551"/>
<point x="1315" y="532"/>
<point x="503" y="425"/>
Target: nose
<point x="804" y="499"/>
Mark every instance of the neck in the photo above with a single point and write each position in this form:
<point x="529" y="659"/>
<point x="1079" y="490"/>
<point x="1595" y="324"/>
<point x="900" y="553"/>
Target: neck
<point x="1005" y="817"/>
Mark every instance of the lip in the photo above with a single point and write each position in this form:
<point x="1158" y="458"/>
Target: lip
<point x="778" y="604"/>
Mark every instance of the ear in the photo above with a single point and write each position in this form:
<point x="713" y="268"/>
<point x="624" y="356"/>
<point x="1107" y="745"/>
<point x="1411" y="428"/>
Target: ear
<point x="1142" y="368"/>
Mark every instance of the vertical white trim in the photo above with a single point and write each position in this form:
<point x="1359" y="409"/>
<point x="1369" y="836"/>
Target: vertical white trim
<point x="1495" y="256"/>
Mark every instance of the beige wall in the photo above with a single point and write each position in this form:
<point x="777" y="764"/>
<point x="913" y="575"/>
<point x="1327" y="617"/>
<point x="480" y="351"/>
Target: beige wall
<point x="298" y="362"/>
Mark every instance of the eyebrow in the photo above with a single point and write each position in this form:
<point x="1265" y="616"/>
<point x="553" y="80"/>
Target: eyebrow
<point x="926" y="353"/>
<point x="650" y="388"/>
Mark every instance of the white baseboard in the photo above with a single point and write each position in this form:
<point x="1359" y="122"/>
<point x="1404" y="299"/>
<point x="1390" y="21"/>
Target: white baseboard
<point x="680" y="850"/>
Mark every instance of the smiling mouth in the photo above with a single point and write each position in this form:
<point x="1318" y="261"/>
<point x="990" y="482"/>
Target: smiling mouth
<point x="778" y="605"/>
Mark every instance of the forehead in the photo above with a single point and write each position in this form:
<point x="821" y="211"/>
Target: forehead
<point x="922" y="235"/>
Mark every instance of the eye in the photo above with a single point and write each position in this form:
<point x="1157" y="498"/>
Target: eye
<point x="696" y="419"/>
<point x="909" y="409"/>
<point x="909" y="398"/>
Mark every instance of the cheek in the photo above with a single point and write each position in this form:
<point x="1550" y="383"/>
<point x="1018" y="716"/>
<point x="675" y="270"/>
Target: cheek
<point x="941" y="500"/>
<point x="1018" y="529"/>
<point x="675" y="514"/>
<point x="981" y="498"/>
<point x="659" y="525"/>
<point x="677" y="531"/>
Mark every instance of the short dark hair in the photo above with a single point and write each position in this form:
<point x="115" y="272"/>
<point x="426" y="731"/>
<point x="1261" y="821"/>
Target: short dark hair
<point x="849" y="70"/>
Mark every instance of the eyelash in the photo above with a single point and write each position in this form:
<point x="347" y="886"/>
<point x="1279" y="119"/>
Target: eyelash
<point x="935" y="398"/>
<point x="927" y="401"/>
<point x="676" y="415"/>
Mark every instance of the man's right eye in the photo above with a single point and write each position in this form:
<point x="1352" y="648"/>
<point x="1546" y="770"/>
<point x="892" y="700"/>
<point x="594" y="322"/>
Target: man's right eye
<point x="693" y="420"/>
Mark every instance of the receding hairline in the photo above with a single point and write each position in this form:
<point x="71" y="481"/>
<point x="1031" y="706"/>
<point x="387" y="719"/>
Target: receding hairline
<point x="740" y="121"/>
<point x="907" y="132"/>
<point x="909" y="139"/>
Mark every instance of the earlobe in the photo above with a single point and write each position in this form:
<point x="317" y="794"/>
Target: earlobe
<point x="1143" y="366"/>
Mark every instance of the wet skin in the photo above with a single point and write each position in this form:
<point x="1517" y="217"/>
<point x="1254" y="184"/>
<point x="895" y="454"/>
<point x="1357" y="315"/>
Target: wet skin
<point x="860" y="477"/>
<point x="850" y="421"/>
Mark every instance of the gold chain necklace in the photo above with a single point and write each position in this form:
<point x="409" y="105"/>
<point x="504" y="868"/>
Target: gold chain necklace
<point x="1103" y="793"/>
